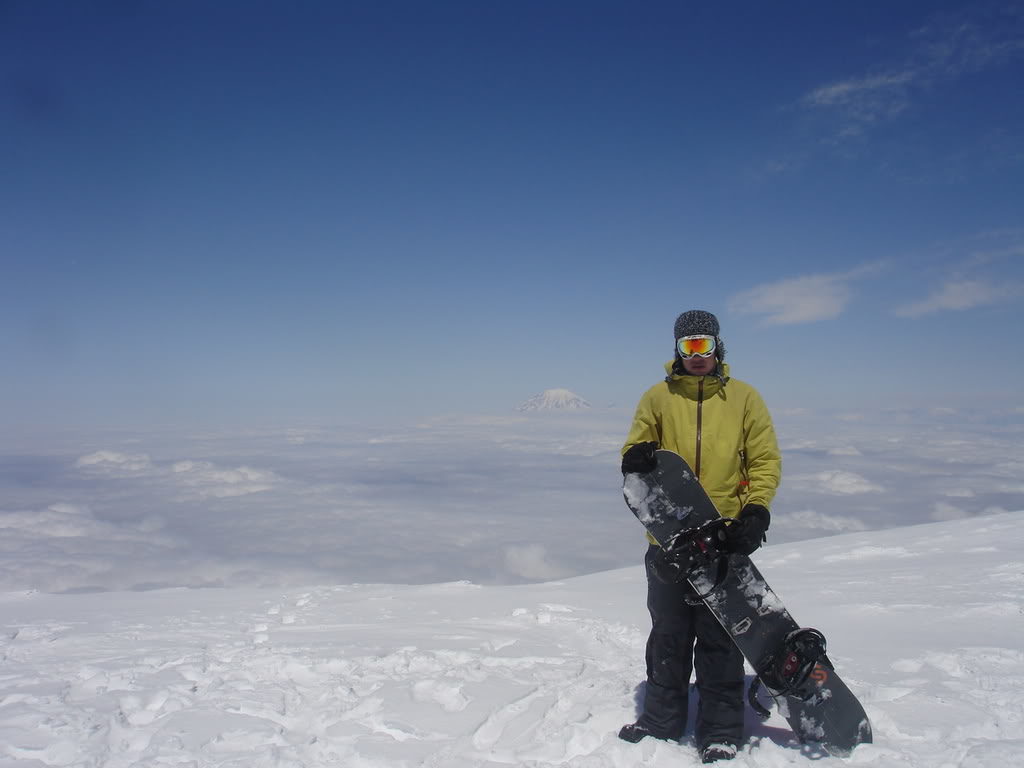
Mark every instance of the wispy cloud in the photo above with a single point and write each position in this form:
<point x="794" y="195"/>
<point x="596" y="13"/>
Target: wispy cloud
<point x="849" y="91"/>
<point x="943" y="50"/>
<point x="962" y="294"/>
<point x="960" y="44"/>
<point x="986" y="256"/>
<point x="797" y="300"/>
<point x="863" y="101"/>
<point x="981" y="274"/>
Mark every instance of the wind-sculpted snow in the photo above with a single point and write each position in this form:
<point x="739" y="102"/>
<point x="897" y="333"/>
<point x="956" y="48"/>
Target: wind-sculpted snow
<point x="463" y="676"/>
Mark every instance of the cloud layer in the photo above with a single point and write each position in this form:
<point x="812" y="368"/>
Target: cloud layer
<point x="489" y="500"/>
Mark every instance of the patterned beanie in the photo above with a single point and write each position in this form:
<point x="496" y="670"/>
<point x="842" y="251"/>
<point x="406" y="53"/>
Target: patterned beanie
<point x="697" y="322"/>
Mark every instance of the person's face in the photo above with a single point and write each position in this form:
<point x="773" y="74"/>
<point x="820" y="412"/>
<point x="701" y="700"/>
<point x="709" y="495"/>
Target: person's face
<point x="699" y="366"/>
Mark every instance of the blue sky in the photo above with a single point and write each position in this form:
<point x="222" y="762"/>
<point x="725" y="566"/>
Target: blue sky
<point x="260" y="212"/>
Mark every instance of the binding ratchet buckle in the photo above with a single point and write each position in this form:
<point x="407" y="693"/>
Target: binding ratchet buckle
<point x="692" y="549"/>
<point x="794" y="670"/>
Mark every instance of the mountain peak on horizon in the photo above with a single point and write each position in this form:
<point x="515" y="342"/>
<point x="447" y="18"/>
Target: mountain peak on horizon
<point x="555" y="400"/>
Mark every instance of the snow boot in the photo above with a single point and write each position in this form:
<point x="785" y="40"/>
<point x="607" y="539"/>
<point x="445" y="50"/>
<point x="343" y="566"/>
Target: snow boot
<point x="712" y="753"/>
<point x="635" y="732"/>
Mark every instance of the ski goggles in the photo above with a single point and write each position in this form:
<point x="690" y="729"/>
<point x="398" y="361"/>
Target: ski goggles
<point x="696" y="346"/>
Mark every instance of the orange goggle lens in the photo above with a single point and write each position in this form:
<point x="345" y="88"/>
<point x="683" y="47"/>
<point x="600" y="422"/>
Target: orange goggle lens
<point x="696" y="346"/>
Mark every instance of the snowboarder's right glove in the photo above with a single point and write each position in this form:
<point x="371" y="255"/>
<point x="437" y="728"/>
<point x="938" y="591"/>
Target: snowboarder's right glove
<point x="746" y="534"/>
<point x="639" y="458"/>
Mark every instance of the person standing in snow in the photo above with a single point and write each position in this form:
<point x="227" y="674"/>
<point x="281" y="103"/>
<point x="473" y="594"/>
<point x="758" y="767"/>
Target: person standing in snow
<point x="722" y="427"/>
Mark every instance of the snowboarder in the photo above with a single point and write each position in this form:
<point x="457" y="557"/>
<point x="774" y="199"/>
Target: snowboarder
<point x="722" y="428"/>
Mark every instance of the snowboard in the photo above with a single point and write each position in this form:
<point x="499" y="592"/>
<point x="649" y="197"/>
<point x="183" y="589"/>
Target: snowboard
<point x="789" y="661"/>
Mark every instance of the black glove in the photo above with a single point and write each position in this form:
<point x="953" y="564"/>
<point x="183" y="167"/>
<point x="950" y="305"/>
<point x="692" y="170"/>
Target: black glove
<point x="746" y="534"/>
<point x="639" y="458"/>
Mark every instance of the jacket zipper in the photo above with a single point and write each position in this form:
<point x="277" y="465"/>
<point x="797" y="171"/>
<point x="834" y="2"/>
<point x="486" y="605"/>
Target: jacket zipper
<point x="744" y="475"/>
<point x="700" y="409"/>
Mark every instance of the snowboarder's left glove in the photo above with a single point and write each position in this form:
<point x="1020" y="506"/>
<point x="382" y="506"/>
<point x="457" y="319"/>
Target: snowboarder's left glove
<point x="746" y="534"/>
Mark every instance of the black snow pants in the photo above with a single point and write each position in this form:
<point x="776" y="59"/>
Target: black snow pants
<point x="682" y="637"/>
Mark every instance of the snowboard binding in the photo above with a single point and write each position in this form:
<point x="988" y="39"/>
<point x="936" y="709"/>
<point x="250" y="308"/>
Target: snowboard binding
<point x="794" y="671"/>
<point x="698" y="546"/>
<point x="691" y="550"/>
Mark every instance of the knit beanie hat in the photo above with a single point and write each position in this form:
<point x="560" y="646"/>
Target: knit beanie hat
<point x="697" y="322"/>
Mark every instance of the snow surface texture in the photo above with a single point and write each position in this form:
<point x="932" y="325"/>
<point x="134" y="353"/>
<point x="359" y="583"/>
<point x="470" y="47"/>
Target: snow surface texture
<point x="927" y="634"/>
<point x="555" y="400"/>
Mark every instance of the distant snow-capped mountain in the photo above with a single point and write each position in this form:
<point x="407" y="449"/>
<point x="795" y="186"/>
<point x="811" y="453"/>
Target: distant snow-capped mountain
<point x="555" y="400"/>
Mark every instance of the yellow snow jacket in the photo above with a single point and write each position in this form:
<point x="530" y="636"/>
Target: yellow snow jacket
<point x="722" y="428"/>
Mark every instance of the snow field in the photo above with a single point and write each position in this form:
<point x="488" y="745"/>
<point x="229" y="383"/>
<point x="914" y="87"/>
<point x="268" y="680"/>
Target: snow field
<point x="343" y="675"/>
<point x="924" y="623"/>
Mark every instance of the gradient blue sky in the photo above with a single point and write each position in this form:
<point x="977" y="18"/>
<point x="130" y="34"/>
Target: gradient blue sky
<point x="272" y="212"/>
